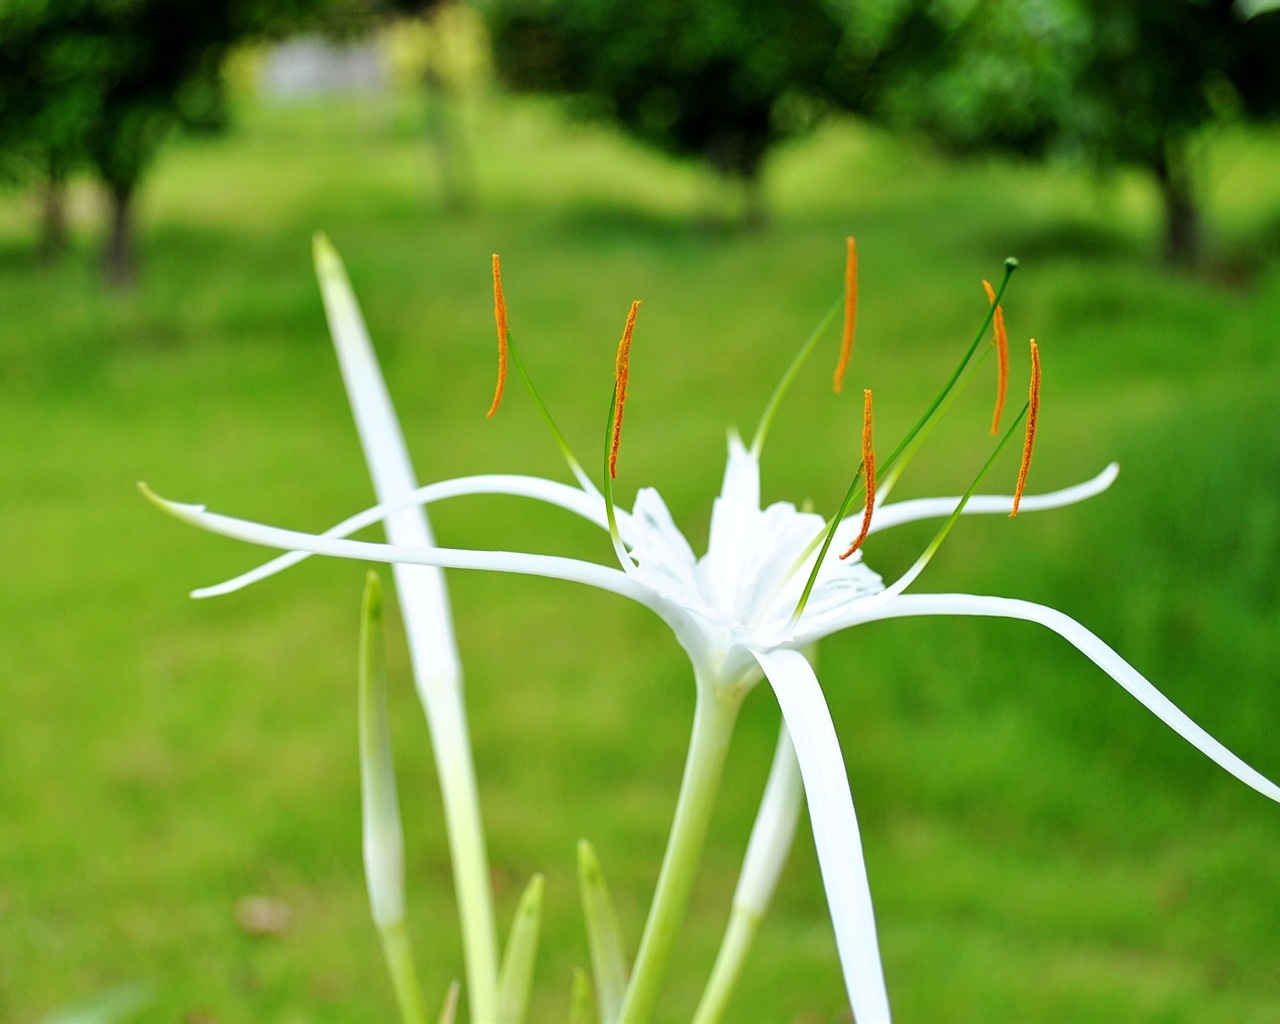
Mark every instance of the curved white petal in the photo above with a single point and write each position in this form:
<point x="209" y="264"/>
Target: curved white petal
<point x="550" y="566"/>
<point x="835" y="829"/>
<point x="897" y="513"/>
<point x="663" y="557"/>
<point x="590" y="507"/>
<point x="1088" y="645"/>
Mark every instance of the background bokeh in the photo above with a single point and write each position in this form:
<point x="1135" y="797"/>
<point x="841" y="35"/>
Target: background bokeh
<point x="1040" y="848"/>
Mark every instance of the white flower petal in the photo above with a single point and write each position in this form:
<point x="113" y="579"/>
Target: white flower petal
<point x="663" y="556"/>
<point x="732" y="526"/>
<point x="1091" y="647"/>
<point x="590" y="507"/>
<point x="835" y="829"/>
<point x="897" y="513"/>
<point x="521" y="563"/>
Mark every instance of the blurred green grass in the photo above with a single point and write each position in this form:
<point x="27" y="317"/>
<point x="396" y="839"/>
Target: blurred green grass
<point x="1040" y="847"/>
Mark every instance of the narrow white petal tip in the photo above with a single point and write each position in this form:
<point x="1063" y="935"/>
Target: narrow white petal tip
<point x="1108" y="476"/>
<point x="176" y="508"/>
<point x="324" y="254"/>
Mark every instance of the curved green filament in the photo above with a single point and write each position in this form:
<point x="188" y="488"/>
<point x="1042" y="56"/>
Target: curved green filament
<point x="806" y="350"/>
<point x="909" y="576"/>
<point x="905" y="449"/>
<point x="575" y="467"/>
<point x="896" y="469"/>
<point x="1010" y="265"/>
<point x="828" y="535"/>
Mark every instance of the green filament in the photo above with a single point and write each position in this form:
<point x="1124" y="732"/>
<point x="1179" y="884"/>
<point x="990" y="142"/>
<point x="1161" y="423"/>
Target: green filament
<point x="575" y="466"/>
<point x="806" y="350"/>
<point x="936" y="543"/>
<point x="906" y="448"/>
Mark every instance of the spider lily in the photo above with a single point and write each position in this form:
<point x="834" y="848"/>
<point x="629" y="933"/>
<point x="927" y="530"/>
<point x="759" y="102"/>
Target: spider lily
<point x="768" y="585"/>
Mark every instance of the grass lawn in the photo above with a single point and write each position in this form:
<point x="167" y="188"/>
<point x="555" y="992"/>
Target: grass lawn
<point x="1040" y="847"/>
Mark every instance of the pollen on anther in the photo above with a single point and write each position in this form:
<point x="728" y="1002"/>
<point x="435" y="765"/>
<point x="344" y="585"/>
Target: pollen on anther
<point x="850" y="312"/>
<point x="1033" y="411"/>
<point x="620" y="389"/>
<point x="500" y="316"/>
<point x="868" y="473"/>
<point x="1002" y="357"/>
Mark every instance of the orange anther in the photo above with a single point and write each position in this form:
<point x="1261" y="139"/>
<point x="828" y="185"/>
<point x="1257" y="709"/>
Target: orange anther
<point x="850" y="311"/>
<point x="499" y="315"/>
<point x="1002" y="357"/>
<point x="1033" y="410"/>
<point x="869" y="474"/>
<point x="620" y="388"/>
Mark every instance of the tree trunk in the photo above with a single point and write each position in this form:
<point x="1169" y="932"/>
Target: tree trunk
<point x="1184" y="236"/>
<point x="448" y="141"/>
<point x="119" y="264"/>
<point x="53" y="217"/>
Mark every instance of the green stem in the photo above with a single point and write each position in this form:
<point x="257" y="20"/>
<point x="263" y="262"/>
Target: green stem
<point x="399" y="954"/>
<point x="713" y="720"/>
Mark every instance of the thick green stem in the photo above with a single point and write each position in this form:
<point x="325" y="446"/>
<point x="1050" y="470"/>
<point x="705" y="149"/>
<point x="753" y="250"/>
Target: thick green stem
<point x="713" y="720"/>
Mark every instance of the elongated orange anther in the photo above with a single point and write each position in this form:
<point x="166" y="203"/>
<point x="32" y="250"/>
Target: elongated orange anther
<point x="1002" y="357"/>
<point x="500" y="315"/>
<point x="620" y="388"/>
<point x="1033" y="410"/>
<point x="850" y="312"/>
<point x="869" y="474"/>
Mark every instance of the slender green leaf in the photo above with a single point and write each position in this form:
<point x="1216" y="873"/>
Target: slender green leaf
<point x="516" y="976"/>
<point x="383" y="839"/>
<point x="449" y="1011"/>
<point x="580" y="998"/>
<point x="604" y="935"/>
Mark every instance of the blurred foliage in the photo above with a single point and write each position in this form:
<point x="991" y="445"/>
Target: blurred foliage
<point x="1113" y="81"/>
<point x="449" y="45"/>
<point x="102" y="83"/>
<point x="1109" y="81"/>
<point x="720" y="82"/>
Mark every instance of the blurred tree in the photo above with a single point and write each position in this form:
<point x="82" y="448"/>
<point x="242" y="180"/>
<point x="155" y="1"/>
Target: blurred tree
<point x="1117" y="81"/>
<point x="442" y="46"/>
<point x="719" y="81"/>
<point x="104" y="82"/>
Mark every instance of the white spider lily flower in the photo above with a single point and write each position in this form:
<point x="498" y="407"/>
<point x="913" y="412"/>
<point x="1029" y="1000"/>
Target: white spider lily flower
<point x="764" y="589"/>
<point x="732" y="609"/>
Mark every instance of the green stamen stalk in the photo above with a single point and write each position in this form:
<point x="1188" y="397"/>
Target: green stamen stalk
<point x="906" y="448"/>
<point x="575" y="467"/>
<point x="910" y="575"/>
<point x="806" y="350"/>
<point x="896" y="469"/>
<point x="828" y="536"/>
<point x="1010" y="265"/>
